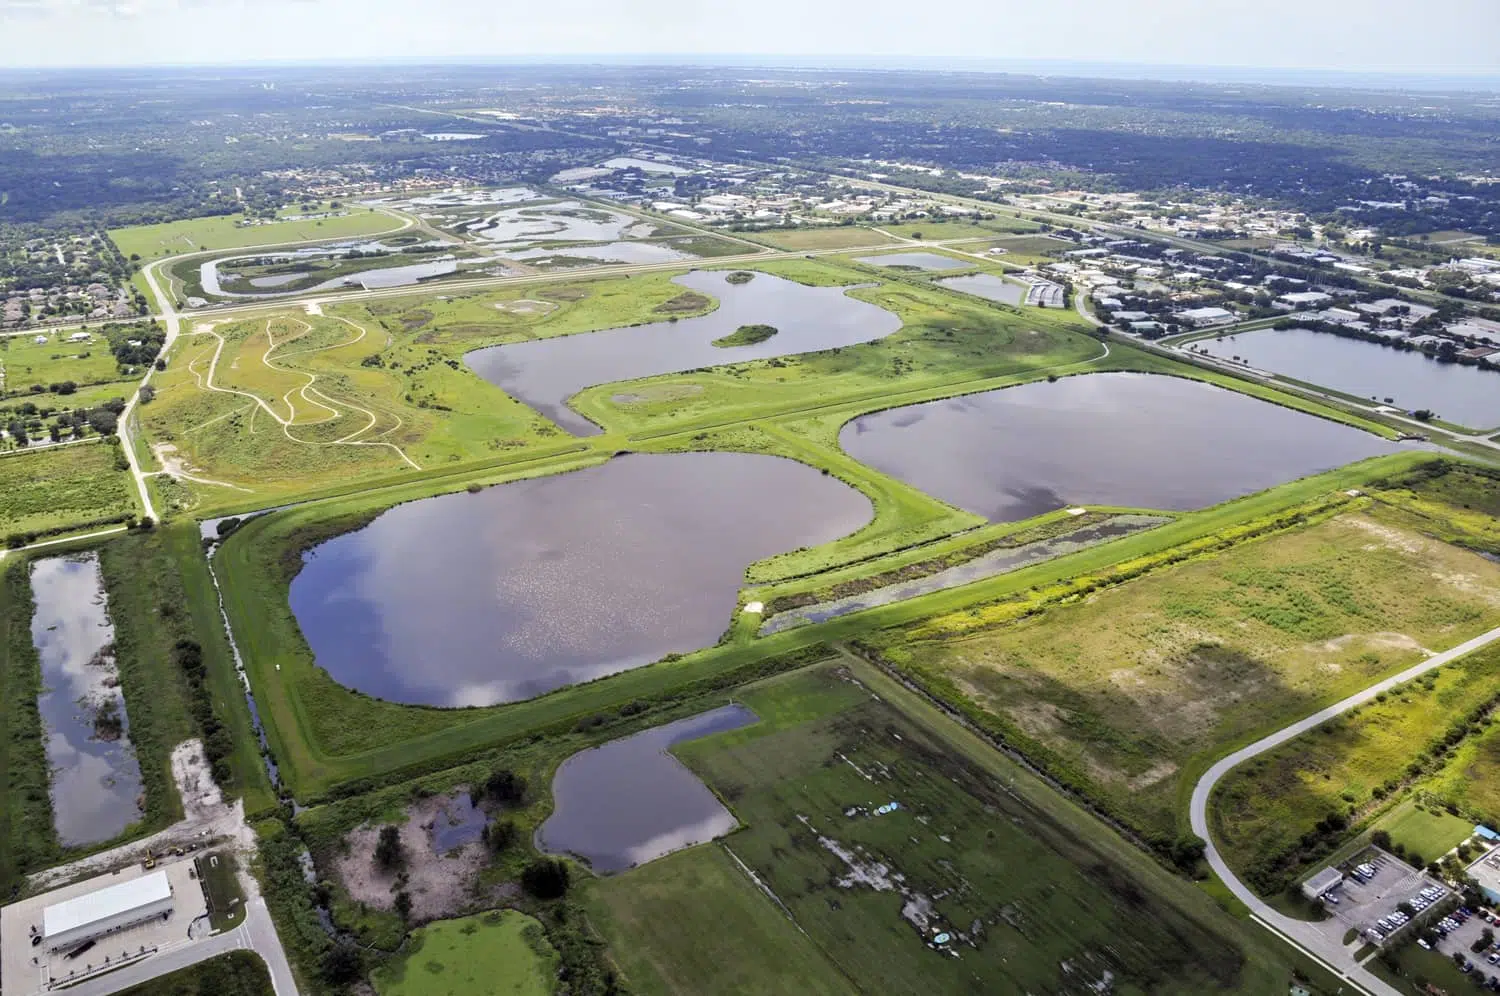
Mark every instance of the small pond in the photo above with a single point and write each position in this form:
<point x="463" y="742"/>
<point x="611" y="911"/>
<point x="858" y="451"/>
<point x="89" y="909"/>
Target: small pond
<point x="629" y="801"/>
<point x="473" y="599"/>
<point x="916" y="261"/>
<point x="613" y="252"/>
<point x="545" y="373"/>
<point x="96" y="780"/>
<point x="1465" y="395"/>
<point x="1136" y="440"/>
<point x="988" y="286"/>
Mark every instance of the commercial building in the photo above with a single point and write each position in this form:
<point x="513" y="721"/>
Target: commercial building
<point x="1199" y="317"/>
<point x="114" y="908"/>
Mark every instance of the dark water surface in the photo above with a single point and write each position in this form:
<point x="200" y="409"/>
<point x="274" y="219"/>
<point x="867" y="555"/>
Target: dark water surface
<point x="96" y="782"/>
<point x="917" y="260"/>
<point x="472" y="599"/>
<point x="1465" y="395"/>
<point x="1136" y="440"/>
<point x="545" y="373"/>
<point x="627" y="802"/>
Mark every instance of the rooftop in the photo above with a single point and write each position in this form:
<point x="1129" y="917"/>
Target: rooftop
<point x="107" y="902"/>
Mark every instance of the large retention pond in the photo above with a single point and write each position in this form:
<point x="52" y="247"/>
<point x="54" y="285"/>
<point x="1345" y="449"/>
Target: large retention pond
<point x="1135" y="440"/>
<point x="545" y="373"/>
<point x="1465" y="395"/>
<point x="96" y="780"/>
<point x="473" y="599"/>
<point x="629" y="801"/>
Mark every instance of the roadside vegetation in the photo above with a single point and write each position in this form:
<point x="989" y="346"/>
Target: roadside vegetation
<point x="238" y="973"/>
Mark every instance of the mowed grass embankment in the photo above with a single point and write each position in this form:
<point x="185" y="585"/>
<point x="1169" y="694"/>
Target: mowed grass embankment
<point x="1129" y="691"/>
<point x="1033" y="894"/>
<point x="173" y="238"/>
<point x="826" y="237"/>
<point x="59" y="489"/>
<point x="27" y="838"/>
<point x="504" y="953"/>
<point x="160" y="593"/>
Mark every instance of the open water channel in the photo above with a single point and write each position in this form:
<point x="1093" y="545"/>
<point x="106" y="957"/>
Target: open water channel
<point x="629" y="801"/>
<point x="473" y="599"/>
<point x="96" y="780"/>
<point x="545" y="373"/>
<point x="1134" y="440"/>
<point x="1464" y="395"/>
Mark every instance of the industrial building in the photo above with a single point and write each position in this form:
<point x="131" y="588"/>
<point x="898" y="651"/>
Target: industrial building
<point x="1320" y="883"/>
<point x="97" y="914"/>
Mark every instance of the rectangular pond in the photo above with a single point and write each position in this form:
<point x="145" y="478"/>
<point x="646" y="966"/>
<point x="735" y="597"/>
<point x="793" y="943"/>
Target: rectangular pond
<point x="987" y="286"/>
<point x="630" y="801"/>
<point x="96" y="780"/>
<point x="916" y="261"/>
<point x="1464" y="395"/>
<point x="987" y="565"/>
<point x="1121" y="439"/>
<point x="518" y="589"/>
<point x="545" y="373"/>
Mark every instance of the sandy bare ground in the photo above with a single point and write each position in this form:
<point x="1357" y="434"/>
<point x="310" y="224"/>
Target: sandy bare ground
<point x="440" y="885"/>
<point x="207" y="819"/>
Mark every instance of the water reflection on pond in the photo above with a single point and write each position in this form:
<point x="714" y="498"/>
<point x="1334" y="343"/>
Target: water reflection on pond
<point x="629" y="801"/>
<point x="472" y="599"/>
<point x="1412" y="380"/>
<point x="987" y="286"/>
<point x="545" y="373"/>
<point x="1136" y="440"/>
<point x="96" y="780"/>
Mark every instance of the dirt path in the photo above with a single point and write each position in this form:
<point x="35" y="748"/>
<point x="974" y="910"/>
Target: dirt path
<point x="308" y="392"/>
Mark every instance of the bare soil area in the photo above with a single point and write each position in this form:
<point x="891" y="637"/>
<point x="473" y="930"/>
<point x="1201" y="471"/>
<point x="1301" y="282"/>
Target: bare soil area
<point x="440" y="885"/>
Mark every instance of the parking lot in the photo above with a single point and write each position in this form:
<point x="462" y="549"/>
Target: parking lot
<point x="1461" y="940"/>
<point x="1361" y="905"/>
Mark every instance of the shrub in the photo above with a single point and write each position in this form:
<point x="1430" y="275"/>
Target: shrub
<point x="546" y="878"/>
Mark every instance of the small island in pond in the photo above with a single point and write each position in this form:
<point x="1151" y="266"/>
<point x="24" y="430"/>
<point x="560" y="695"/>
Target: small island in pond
<point x="739" y="277"/>
<point x="747" y="335"/>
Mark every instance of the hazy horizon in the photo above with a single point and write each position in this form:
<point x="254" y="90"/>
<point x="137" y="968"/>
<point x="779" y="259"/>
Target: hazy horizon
<point x="1170" y="39"/>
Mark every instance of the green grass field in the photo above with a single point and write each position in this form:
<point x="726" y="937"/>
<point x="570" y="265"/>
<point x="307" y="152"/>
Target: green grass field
<point x="80" y="484"/>
<point x="503" y="953"/>
<point x="1429" y="832"/>
<point x="1130" y="690"/>
<point x="1020" y="881"/>
<point x="829" y="237"/>
<point x="25" y="363"/>
<point x="224" y="232"/>
<point x="656" y="917"/>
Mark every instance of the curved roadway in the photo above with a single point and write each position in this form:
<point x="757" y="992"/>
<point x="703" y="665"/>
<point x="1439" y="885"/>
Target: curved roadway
<point x="1310" y="937"/>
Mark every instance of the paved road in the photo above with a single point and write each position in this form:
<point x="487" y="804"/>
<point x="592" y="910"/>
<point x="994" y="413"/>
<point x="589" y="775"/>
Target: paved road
<point x="256" y="934"/>
<point x="1309" y="937"/>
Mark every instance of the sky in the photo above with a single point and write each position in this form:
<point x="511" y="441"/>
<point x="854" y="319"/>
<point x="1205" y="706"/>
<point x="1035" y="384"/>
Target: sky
<point x="1443" y="37"/>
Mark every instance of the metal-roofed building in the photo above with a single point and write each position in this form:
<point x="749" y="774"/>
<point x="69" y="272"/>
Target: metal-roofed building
<point x="1322" y="882"/>
<point x="106" y="911"/>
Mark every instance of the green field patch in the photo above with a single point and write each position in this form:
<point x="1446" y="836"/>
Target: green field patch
<point x="504" y="952"/>
<point x="827" y="237"/>
<point x="59" y="488"/>
<point x="26" y="364"/>
<point x="230" y="232"/>
<point x="1428" y="832"/>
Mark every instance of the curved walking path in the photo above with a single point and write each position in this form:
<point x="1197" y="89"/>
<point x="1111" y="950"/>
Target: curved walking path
<point x="1310" y="937"/>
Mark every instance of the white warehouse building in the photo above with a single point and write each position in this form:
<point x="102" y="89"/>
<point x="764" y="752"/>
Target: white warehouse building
<point x="97" y="914"/>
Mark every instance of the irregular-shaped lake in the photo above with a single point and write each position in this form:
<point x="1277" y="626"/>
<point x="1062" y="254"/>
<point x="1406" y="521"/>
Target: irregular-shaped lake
<point x="1137" y="440"/>
<point x="629" y="801"/>
<point x="96" y="780"/>
<point x="1411" y="380"/>
<point x="545" y="373"/>
<point x="473" y="599"/>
